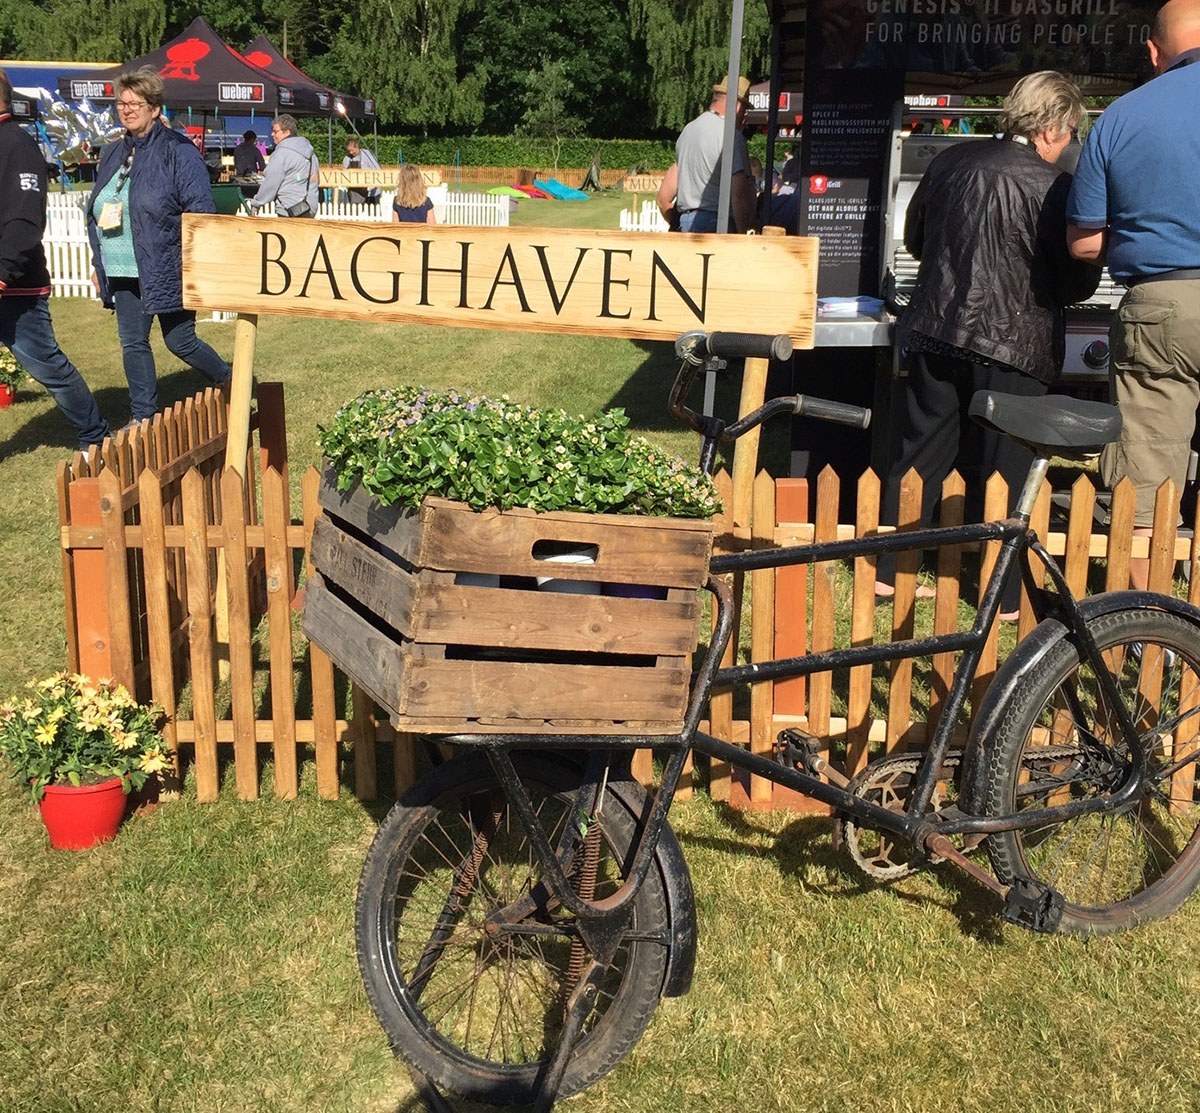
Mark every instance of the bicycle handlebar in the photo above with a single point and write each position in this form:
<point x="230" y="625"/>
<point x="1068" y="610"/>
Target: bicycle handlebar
<point x="699" y="347"/>
<point x="842" y="413"/>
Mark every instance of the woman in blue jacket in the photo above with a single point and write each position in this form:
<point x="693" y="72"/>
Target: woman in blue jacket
<point x="144" y="183"/>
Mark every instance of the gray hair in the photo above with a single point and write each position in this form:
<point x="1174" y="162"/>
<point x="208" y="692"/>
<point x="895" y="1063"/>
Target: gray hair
<point x="145" y="83"/>
<point x="1043" y="101"/>
<point x="5" y="90"/>
<point x="287" y="123"/>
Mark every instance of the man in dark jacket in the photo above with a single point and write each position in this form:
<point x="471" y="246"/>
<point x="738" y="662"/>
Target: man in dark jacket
<point x="988" y="225"/>
<point x="25" y="326"/>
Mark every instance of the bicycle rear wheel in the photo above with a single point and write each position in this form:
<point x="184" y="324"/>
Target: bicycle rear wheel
<point x="1060" y="741"/>
<point x="477" y="1012"/>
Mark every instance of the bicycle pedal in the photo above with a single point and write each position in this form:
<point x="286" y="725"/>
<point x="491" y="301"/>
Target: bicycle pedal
<point x="1030" y="904"/>
<point x="795" y="749"/>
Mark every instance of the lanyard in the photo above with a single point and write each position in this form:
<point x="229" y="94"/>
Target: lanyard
<point x="123" y="173"/>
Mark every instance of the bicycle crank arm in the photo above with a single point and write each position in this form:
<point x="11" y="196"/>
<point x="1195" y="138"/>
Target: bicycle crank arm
<point x="940" y="846"/>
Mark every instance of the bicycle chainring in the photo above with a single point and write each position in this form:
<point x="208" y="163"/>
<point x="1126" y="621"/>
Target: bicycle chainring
<point x="886" y="782"/>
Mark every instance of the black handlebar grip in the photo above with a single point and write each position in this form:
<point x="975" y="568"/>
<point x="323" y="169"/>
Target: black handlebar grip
<point x="842" y="413"/>
<point x="751" y="345"/>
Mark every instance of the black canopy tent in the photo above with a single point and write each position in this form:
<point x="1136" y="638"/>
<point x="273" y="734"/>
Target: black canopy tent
<point x="204" y="75"/>
<point x="264" y="54"/>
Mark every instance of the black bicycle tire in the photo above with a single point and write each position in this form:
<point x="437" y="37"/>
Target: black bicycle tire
<point x="1172" y="885"/>
<point x="411" y="1034"/>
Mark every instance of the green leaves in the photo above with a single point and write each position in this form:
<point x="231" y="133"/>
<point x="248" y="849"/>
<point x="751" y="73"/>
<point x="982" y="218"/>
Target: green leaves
<point x="406" y="444"/>
<point x="68" y="729"/>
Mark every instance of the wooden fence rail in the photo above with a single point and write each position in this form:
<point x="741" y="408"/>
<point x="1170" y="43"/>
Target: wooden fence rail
<point x="146" y="521"/>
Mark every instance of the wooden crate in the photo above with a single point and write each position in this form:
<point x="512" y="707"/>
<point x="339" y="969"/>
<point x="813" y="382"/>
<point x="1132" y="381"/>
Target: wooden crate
<point x="390" y="606"/>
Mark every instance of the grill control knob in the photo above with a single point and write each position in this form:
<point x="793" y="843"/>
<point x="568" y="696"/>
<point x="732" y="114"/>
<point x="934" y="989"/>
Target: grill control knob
<point x="1095" y="355"/>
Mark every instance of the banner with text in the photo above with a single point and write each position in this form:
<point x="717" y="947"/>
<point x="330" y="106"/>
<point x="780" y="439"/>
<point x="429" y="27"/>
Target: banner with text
<point x="638" y="285"/>
<point x="982" y="46"/>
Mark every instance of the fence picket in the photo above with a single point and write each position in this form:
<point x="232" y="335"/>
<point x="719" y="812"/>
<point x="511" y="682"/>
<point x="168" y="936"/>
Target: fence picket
<point x="762" y="632"/>
<point x="241" y="667"/>
<point x="116" y="580"/>
<point x="824" y="597"/>
<point x="995" y="506"/>
<point x="945" y="607"/>
<point x="720" y="706"/>
<point x="1079" y="534"/>
<point x="279" y="615"/>
<point x="158" y="603"/>
<point x="903" y="617"/>
<point x="320" y="667"/>
<point x="200" y="633"/>
<point x="862" y="630"/>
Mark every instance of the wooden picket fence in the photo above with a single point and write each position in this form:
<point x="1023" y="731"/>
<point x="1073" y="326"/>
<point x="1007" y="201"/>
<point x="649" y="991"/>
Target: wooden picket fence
<point x="161" y="545"/>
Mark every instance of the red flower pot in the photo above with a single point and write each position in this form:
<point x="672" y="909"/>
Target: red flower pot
<point x="79" y="817"/>
<point x="7" y="394"/>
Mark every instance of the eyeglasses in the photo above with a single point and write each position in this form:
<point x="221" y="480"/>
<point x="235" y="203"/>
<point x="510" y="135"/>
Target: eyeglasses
<point x="131" y="105"/>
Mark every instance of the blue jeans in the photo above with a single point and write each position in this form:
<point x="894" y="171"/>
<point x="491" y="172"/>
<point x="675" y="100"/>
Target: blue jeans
<point x="179" y="334"/>
<point x="25" y="328"/>
<point x="698" y="220"/>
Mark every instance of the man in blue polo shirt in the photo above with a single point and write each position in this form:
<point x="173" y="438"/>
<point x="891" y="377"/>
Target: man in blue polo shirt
<point x="1134" y="203"/>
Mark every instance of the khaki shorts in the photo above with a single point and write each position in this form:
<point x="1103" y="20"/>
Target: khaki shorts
<point x="1155" y="380"/>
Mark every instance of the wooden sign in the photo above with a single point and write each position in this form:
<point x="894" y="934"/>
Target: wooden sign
<point x="575" y="281"/>
<point x="642" y="183"/>
<point x="337" y="177"/>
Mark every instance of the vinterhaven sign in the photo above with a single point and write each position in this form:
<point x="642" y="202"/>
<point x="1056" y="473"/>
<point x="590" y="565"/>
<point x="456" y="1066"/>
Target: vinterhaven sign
<point x="643" y="285"/>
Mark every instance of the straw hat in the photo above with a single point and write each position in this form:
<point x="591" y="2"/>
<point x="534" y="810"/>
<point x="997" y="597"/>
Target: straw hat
<point x="743" y="87"/>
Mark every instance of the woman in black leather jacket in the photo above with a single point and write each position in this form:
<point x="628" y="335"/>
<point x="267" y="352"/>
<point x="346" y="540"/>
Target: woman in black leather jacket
<point x="988" y="224"/>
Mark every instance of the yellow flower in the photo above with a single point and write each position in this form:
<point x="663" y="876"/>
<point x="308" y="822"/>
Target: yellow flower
<point x="153" y="761"/>
<point x="45" y="733"/>
<point x="124" y="740"/>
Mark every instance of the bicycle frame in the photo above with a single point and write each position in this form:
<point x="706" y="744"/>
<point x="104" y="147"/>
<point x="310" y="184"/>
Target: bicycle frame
<point x="601" y="923"/>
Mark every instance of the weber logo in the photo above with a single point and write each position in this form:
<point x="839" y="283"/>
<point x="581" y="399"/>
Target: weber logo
<point x="239" y="92"/>
<point x="97" y="90"/>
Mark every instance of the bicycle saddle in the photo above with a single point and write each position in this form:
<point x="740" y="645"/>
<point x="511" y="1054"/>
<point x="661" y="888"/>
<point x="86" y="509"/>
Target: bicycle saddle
<point x="1061" y="426"/>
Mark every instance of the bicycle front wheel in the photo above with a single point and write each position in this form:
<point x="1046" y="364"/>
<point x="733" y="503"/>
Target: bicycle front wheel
<point x="1060" y="741"/>
<point x="480" y="1012"/>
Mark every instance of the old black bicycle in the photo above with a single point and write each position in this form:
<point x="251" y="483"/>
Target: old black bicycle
<point x="526" y="905"/>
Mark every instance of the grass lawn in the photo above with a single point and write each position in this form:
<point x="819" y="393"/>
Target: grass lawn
<point x="204" y="961"/>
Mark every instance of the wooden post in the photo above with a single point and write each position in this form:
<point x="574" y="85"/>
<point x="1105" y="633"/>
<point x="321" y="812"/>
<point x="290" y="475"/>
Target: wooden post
<point x="237" y="444"/>
<point x="91" y="600"/>
<point x="745" y="451"/>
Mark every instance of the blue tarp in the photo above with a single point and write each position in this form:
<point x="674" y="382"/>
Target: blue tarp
<point x="559" y="191"/>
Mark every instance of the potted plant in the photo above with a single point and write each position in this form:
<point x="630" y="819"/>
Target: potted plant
<point x="80" y="746"/>
<point x="487" y="565"/>
<point x="11" y="374"/>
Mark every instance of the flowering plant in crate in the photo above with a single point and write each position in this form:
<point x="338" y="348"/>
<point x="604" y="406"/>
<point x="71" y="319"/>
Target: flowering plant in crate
<point x="11" y="372"/>
<point x="406" y="444"/>
<point x="72" y="730"/>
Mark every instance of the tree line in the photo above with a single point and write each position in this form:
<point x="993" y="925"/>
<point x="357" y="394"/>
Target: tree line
<point x="603" y="68"/>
